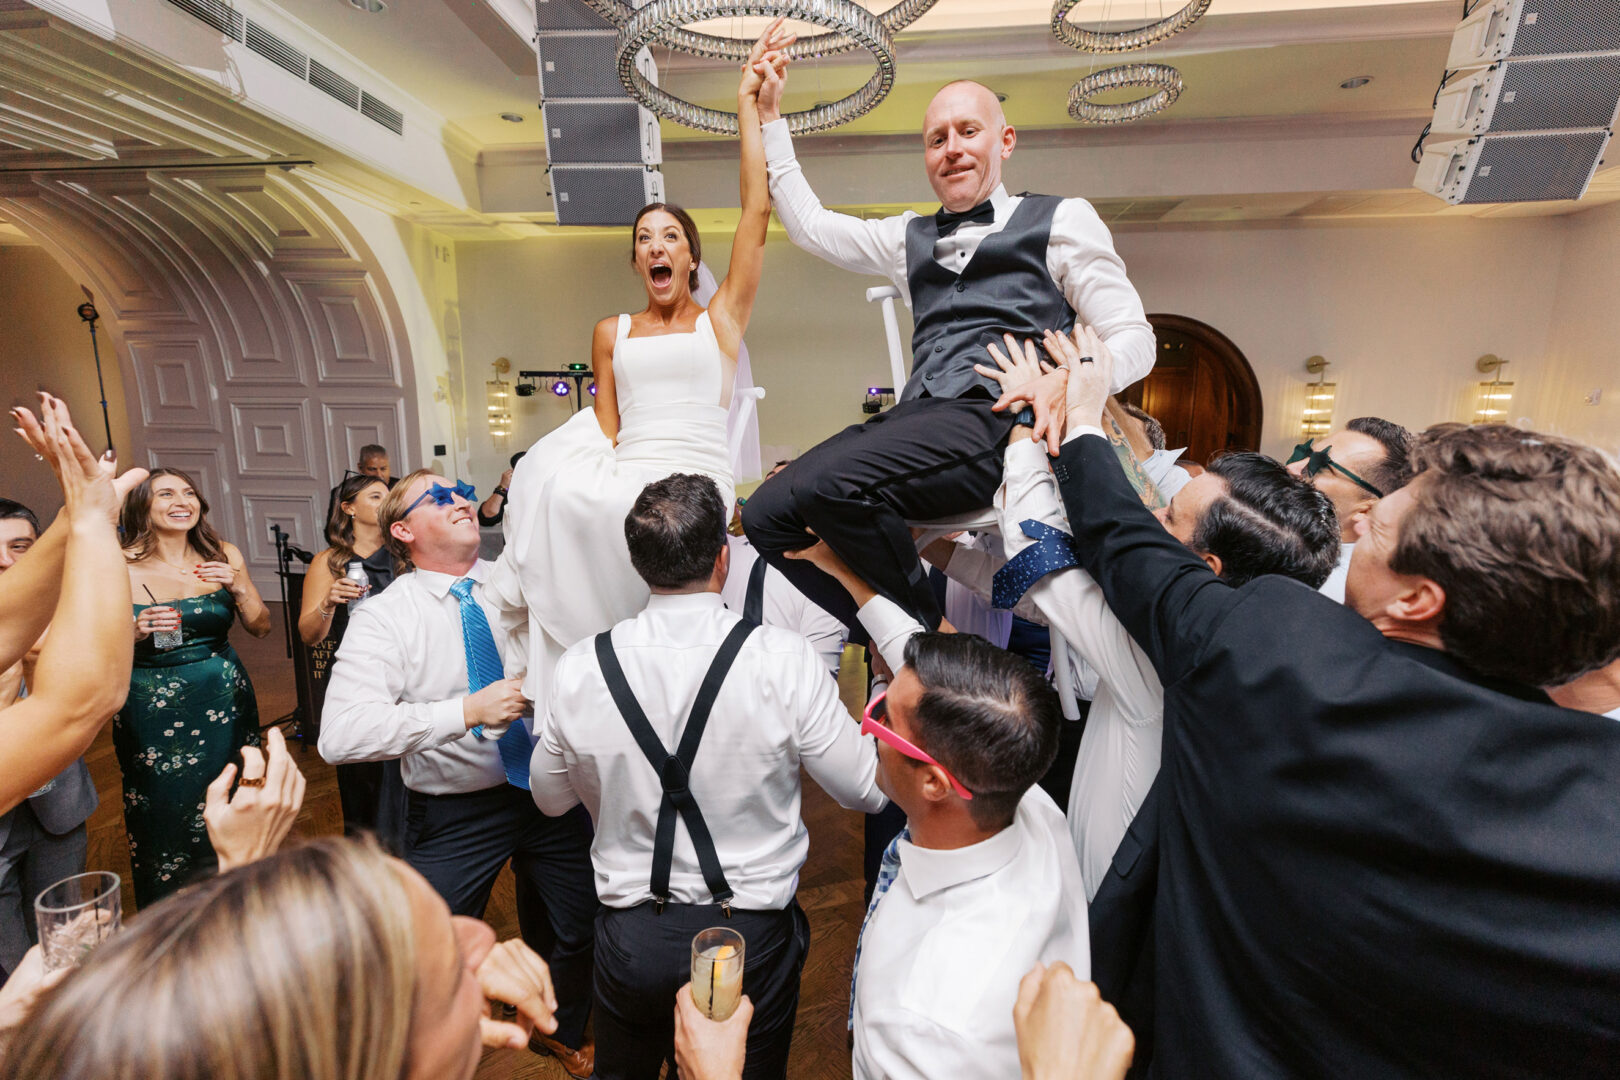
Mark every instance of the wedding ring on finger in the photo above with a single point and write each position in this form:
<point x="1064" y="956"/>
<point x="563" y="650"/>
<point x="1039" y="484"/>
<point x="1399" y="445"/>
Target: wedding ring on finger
<point x="1088" y="360"/>
<point x="251" y="781"/>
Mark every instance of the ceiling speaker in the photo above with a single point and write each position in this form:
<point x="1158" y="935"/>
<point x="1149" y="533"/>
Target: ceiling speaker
<point x="601" y="146"/>
<point x="1497" y="29"/>
<point x="1528" y="167"/>
<point x="603" y="194"/>
<point x="1531" y="95"/>
<point x="567" y="15"/>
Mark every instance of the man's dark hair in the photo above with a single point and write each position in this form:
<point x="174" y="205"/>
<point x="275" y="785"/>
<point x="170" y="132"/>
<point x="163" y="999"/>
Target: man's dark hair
<point x="1395" y="471"/>
<point x="371" y="450"/>
<point x="10" y="508"/>
<point x="986" y="715"/>
<point x="1150" y="426"/>
<point x="517" y="457"/>
<point x="1522" y="532"/>
<point x="1269" y="521"/>
<point x="676" y="530"/>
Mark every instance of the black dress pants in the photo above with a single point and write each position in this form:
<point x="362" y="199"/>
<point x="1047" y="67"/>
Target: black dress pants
<point x="923" y="459"/>
<point x="643" y="958"/>
<point x="460" y="842"/>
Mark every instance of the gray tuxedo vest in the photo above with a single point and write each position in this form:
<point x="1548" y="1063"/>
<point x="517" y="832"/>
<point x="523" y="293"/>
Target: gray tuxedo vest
<point x="1005" y="288"/>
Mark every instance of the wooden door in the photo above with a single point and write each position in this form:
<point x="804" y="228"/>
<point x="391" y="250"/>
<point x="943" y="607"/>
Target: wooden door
<point x="1201" y="389"/>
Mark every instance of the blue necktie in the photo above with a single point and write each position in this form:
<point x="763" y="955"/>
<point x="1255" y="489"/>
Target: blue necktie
<point x="888" y="870"/>
<point x="1052" y="550"/>
<point x="484" y="667"/>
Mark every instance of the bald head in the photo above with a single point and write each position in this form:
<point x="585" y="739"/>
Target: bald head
<point x="965" y="140"/>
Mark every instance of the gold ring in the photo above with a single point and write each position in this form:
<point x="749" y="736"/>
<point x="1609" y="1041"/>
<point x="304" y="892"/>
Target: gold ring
<point x="251" y="781"/>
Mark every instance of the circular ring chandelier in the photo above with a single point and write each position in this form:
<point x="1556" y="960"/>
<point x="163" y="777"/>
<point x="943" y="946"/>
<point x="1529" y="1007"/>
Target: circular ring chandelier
<point x="654" y="21"/>
<point x="1114" y="41"/>
<point x="895" y="19"/>
<point x="1162" y="79"/>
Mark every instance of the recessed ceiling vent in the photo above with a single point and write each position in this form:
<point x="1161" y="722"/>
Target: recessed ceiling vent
<point x="293" y="60"/>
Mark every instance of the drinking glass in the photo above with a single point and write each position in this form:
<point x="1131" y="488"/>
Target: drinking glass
<point x="77" y="914"/>
<point x="717" y="972"/>
<point x="167" y="639"/>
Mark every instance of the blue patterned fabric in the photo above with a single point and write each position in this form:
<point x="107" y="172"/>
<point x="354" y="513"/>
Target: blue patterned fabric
<point x="888" y="870"/>
<point x="1053" y="549"/>
<point x="484" y="667"/>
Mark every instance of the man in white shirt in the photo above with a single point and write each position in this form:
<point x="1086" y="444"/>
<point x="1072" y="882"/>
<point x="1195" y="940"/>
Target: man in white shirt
<point x="420" y="676"/>
<point x="983" y="883"/>
<point x="760" y="593"/>
<point x="1246" y="516"/>
<point x="710" y="835"/>
<point x="988" y="263"/>
<point x="1354" y="468"/>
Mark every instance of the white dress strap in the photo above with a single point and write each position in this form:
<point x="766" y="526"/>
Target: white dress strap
<point x="624" y="328"/>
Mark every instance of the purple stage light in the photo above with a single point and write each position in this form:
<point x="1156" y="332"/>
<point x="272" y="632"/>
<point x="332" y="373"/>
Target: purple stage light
<point x="560" y="388"/>
<point x="592" y="389"/>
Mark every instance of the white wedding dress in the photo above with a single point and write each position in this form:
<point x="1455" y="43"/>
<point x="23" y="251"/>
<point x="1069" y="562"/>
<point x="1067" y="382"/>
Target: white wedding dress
<point x="565" y="545"/>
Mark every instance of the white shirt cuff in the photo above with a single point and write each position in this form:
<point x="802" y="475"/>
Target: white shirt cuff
<point x="448" y="720"/>
<point x="1027" y="453"/>
<point x="778" y="143"/>
<point x="1082" y="429"/>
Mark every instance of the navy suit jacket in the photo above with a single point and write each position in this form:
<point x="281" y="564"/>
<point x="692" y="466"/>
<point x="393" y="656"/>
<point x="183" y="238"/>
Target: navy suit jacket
<point x="1371" y="862"/>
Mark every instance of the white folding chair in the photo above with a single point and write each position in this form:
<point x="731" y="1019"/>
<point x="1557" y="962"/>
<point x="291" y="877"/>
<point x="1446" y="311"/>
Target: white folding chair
<point x="975" y="521"/>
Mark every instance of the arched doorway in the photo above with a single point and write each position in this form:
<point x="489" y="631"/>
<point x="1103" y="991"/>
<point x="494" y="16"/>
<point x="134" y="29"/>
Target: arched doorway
<point x="1202" y="390"/>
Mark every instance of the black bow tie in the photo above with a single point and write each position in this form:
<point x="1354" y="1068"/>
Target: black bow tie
<point x="947" y="221"/>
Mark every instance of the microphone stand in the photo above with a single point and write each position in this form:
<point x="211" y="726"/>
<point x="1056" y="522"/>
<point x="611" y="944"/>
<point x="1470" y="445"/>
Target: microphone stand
<point x="87" y="312"/>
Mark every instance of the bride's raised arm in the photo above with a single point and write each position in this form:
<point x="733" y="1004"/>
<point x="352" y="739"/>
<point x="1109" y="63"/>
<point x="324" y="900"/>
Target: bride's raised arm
<point x="733" y="303"/>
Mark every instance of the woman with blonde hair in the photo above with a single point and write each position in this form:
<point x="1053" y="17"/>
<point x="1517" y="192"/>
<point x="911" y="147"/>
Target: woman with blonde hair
<point x="331" y="961"/>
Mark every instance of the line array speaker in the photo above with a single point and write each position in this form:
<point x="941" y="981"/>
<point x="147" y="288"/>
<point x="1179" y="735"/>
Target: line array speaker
<point x="602" y="148"/>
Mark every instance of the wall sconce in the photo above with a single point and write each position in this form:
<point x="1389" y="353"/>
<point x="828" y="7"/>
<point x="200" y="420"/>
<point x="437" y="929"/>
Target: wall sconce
<point x="1316" y="419"/>
<point x="498" y="394"/>
<point x="1494" y="396"/>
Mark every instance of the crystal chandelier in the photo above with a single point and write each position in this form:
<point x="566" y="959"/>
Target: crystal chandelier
<point x="1163" y="80"/>
<point x="901" y="15"/>
<point x="654" y="22"/>
<point x="1113" y="41"/>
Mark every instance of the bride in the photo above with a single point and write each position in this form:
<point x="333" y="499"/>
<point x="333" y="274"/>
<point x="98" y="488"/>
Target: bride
<point x="663" y="386"/>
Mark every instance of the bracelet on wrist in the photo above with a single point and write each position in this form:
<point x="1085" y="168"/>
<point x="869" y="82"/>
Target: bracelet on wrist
<point x="325" y="614"/>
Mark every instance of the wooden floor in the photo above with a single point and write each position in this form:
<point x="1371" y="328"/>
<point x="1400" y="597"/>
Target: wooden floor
<point x="830" y="886"/>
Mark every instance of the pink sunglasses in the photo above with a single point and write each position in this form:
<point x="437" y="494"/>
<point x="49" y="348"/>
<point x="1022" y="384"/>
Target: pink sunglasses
<point x="872" y="723"/>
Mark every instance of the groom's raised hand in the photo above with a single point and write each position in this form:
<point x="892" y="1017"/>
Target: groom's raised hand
<point x="764" y="72"/>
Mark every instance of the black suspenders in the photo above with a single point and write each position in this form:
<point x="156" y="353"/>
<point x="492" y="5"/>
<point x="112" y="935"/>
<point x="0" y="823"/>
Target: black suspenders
<point x="674" y="770"/>
<point x="754" y="600"/>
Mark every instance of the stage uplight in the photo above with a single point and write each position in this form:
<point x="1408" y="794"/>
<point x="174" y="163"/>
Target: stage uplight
<point x="560" y="388"/>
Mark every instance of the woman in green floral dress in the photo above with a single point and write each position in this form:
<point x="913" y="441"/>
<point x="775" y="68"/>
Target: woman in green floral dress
<point x="191" y="706"/>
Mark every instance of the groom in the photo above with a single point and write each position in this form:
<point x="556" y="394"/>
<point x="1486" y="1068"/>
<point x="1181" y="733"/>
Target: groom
<point x="987" y="264"/>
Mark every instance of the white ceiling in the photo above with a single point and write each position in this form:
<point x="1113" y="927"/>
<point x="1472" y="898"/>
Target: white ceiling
<point x="1261" y="76"/>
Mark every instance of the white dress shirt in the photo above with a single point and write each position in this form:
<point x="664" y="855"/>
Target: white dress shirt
<point x="949" y="942"/>
<point x="1333" y="587"/>
<point x="1167" y="476"/>
<point x="1119" y="752"/>
<point x="1080" y="254"/>
<point x="397" y="686"/>
<point x="784" y="605"/>
<point x="776" y="711"/>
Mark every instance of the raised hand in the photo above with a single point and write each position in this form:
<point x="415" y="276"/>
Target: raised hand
<point x="91" y="486"/>
<point x="1091" y="373"/>
<point x="704" y="1049"/>
<point x="764" y="72"/>
<point x="513" y="974"/>
<point x="255" y="822"/>
<point x="1066" y="1031"/>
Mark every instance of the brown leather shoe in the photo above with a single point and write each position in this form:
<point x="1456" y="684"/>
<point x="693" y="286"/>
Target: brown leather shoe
<point x="580" y="1063"/>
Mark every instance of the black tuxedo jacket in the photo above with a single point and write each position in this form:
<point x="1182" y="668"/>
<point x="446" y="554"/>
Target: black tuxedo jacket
<point x="1371" y="862"/>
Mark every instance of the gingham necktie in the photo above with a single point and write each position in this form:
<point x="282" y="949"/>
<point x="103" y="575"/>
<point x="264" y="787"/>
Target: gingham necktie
<point x="888" y="870"/>
<point x="484" y="667"/>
